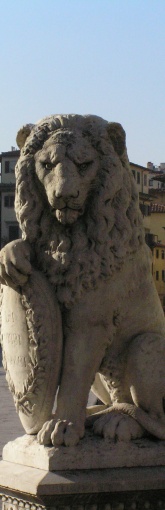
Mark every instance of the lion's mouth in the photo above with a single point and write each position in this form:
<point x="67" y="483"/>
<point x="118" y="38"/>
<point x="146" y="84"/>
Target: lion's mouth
<point x="67" y="215"/>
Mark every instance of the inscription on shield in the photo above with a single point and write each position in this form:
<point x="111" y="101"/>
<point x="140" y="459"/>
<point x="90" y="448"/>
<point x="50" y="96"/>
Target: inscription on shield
<point x="32" y="349"/>
<point x="15" y="339"/>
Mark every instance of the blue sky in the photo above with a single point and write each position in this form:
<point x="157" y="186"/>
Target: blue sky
<point x="105" y="57"/>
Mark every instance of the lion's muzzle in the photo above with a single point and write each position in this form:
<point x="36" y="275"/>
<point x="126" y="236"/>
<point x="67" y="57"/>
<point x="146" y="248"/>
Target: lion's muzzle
<point x="67" y="216"/>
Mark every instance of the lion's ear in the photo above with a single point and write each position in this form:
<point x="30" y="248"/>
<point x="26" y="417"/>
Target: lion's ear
<point x="22" y="134"/>
<point x="117" y="136"/>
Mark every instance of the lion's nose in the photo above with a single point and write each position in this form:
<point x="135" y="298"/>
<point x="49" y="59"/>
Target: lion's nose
<point x="67" y="185"/>
<point x="66" y="194"/>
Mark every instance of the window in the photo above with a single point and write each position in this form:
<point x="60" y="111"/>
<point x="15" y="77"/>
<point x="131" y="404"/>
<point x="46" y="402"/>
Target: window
<point x="157" y="275"/>
<point x="13" y="232"/>
<point x="9" y="200"/>
<point x="162" y="254"/>
<point x="157" y="254"/>
<point x="12" y="167"/>
<point x="9" y="167"/>
<point x="151" y="182"/>
<point x="134" y="174"/>
<point x="145" y="179"/>
<point x="163" y="275"/>
<point x="138" y="177"/>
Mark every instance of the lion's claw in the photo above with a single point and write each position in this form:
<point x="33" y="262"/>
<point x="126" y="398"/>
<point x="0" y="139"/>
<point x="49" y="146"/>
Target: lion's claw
<point x="58" y="432"/>
<point x="64" y="433"/>
<point x="118" y="426"/>
<point x="44" y="435"/>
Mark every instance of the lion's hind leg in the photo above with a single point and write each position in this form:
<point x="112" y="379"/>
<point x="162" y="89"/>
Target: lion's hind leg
<point x="146" y="380"/>
<point x="114" y="424"/>
<point x="107" y="422"/>
<point x="143" y="411"/>
<point x="136" y="420"/>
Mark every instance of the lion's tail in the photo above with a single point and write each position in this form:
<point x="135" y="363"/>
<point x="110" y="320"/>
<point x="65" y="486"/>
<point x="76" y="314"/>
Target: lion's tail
<point x="152" y="426"/>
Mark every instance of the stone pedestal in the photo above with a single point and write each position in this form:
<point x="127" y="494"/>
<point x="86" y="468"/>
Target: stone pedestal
<point x="108" y="489"/>
<point x="62" y="484"/>
<point x="91" y="453"/>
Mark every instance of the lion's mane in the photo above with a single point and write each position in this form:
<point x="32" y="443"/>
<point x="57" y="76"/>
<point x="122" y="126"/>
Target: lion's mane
<point x="74" y="258"/>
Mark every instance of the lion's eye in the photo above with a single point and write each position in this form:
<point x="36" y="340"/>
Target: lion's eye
<point x="84" y="166"/>
<point x="48" y="166"/>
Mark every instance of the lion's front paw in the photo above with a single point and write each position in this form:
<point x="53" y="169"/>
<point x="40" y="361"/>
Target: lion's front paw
<point x="118" y="426"/>
<point x="15" y="266"/>
<point x="58" y="432"/>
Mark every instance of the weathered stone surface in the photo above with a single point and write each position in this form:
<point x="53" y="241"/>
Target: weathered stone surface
<point x="77" y="206"/>
<point x="91" y="453"/>
<point x="32" y="346"/>
<point x="10" y="425"/>
<point x="40" y="482"/>
<point x="116" y="489"/>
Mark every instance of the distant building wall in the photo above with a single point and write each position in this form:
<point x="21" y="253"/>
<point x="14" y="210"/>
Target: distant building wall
<point x="158" y="270"/>
<point x="158" y="222"/>
<point x="141" y="175"/>
<point x="9" y="225"/>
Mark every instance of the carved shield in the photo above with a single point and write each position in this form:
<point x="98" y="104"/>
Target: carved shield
<point x="32" y="349"/>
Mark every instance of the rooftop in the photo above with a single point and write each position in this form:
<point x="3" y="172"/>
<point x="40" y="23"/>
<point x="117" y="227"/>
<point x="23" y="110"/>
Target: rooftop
<point x="9" y="154"/>
<point x="139" y="166"/>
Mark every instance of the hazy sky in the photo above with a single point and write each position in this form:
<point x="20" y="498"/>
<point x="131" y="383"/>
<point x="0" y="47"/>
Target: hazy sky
<point x="105" y="57"/>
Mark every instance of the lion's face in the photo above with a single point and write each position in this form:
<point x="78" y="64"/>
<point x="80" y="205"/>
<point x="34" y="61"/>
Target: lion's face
<point x="67" y="168"/>
<point x="73" y="171"/>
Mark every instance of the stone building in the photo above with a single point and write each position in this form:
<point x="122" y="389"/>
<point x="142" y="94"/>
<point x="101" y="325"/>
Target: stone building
<point x="151" y="186"/>
<point x="9" y="228"/>
<point x="158" y="266"/>
<point x="141" y="175"/>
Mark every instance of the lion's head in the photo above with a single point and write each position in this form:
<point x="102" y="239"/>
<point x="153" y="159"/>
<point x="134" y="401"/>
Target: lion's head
<point x="76" y="200"/>
<point x="67" y="167"/>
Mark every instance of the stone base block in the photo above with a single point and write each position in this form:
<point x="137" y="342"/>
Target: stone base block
<point x="25" y="488"/>
<point x="91" y="453"/>
<point x="95" y="475"/>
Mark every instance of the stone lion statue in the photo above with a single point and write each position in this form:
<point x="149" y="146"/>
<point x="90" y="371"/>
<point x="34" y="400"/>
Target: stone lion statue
<point x="77" y="206"/>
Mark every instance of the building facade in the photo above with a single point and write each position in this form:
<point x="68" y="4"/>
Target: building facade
<point x="158" y="266"/>
<point x="141" y="176"/>
<point x="9" y="228"/>
<point x="151" y="186"/>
